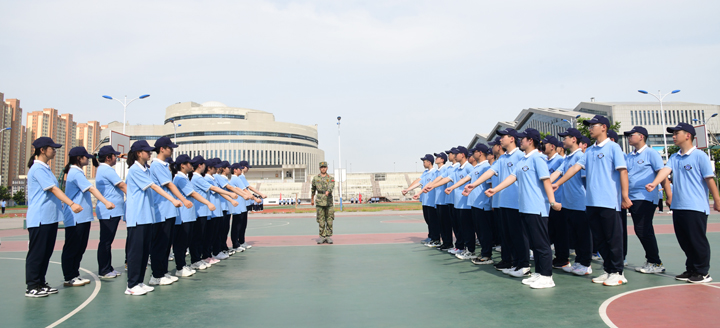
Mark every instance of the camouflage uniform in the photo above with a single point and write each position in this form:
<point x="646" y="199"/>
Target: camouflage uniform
<point x="324" y="204"/>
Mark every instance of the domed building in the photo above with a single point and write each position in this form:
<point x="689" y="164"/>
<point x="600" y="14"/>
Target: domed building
<point x="275" y="150"/>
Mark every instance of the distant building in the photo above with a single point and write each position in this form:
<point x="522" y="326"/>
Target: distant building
<point x="13" y="141"/>
<point x="61" y="128"/>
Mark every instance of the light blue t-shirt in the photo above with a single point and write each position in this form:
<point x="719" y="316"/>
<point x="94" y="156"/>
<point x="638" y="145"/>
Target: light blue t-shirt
<point x="449" y="173"/>
<point x="462" y="171"/>
<point x="573" y="189"/>
<point x="215" y="198"/>
<point x="250" y="201"/>
<point x="43" y="206"/>
<point x="530" y="172"/>
<point x="602" y="162"/>
<point x="428" y="199"/>
<point x="76" y="188"/>
<point x="222" y="182"/>
<point x="642" y="166"/>
<point x="106" y="182"/>
<point x="503" y="168"/>
<point x="689" y="189"/>
<point x="554" y="164"/>
<point x="477" y="197"/>
<point x="494" y="181"/>
<point x="236" y="182"/>
<point x="185" y="187"/>
<point x="202" y="187"/>
<point x="161" y="176"/>
<point x="441" y="197"/>
<point x="140" y="198"/>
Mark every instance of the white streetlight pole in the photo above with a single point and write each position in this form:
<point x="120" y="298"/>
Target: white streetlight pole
<point x="175" y="126"/>
<point x="339" y="165"/>
<point x="125" y="104"/>
<point x="660" y="98"/>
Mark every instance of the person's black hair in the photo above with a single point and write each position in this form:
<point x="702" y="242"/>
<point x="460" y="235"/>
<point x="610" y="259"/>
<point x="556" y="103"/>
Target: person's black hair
<point x="75" y="160"/>
<point x="195" y="166"/>
<point x="174" y="168"/>
<point x="535" y="143"/>
<point x="132" y="157"/>
<point x="37" y="153"/>
<point x="103" y="159"/>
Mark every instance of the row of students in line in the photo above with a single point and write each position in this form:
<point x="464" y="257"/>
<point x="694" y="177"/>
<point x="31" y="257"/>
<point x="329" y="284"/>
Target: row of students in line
<point x="151" y="216"/>
<point x="595" y="184"/>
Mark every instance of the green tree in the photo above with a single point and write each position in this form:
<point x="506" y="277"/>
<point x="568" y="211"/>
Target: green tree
<point x="584" y="129"/>
<point x="4" y="193"/>
<point x="19" y="197"/>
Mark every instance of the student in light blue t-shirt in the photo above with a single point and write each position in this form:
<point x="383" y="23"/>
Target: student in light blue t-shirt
<point x="427" y="200"/>
<point x="109" y="184"/>
<point x="140" y="215"/>
<point x="692" y="179"/>
<point x="77" y="225"/>
<point x="606" y="190"/>
<point x="463" y="214"/>
<point x="495" y="153"/>
<point x="557" y="225"/>
<point x="535" y="198"/>
<point x="441" y="206"/>
<point x="643" y="164"/>
<point x="217" y="193"/>
<point x="240" y="212"/>
<point x="221" y="176"/>
<point x="447" y="222"/>
<point x="45" y="201"/>
<point x="255" y="200"/>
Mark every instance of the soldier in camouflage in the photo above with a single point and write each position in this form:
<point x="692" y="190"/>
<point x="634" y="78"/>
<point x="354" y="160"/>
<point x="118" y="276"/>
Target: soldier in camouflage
<point x="323" y="185"/>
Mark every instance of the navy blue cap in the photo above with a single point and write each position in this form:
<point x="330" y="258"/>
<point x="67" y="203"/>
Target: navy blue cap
<point x="530" y="133"/>
<point x="613" y="135"/>
<point x="598" y="119"/>
<point x="141" y="145"/>
<point x="451" y="151"/>
<point x="107" y="150"/>
<point x="236" y="166"/>
<point x="210" y="162"/>
<point x="181" y="159"/>
<point x="218" y="163"/>
<point x="551" y="140"/>
<point x="428" y="157"/>
<point x="684" y="127"/>
<point x="225" y="164"/>
<point x="572" y="132"/>
<point x="170" y="161"/>
<point x="245" y="164"/>
<point x="79" y="151"/>
<point x="164" y="142"/>
<point x="197" y="160"/>
<point x="489" y="151"/>
<point x="481" y="148"/>
<point x="638" y="129"/>
<point x="441" y="155"/>
<point x="460" y="150"/>
<point x="494" y="142"/>
<point x="44" y="142"/>
<point x="585" y="140"/>
<point x="509" y="132"/>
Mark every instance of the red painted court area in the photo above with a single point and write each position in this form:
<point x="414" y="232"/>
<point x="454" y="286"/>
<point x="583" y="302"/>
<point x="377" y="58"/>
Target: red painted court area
<point x="683" y="305"/>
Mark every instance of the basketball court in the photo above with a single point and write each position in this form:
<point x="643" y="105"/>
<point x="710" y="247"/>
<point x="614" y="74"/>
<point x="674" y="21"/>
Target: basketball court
<point x="376" y="274"/>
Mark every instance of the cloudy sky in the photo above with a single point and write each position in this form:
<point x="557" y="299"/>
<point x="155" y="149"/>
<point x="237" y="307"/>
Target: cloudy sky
<point x="408" y="77"/>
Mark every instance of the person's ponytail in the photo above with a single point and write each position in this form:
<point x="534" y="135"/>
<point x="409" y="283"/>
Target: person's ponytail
<point x="34" y="156"/>
<point x="132" y="157"/>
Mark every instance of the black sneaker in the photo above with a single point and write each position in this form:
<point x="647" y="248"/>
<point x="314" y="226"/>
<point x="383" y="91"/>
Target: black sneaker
<point x="684" y="276"/>
<point x="36" y="292"/>
<point x="503" y="265"/>
<point x="697" y="278"/>
<point x="49" y="289"/>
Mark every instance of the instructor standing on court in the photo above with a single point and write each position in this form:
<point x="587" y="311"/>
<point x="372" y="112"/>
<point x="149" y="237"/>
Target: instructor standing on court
<point x="323" y="185"/>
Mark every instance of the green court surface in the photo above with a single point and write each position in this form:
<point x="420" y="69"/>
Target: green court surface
<point x="342" y="285"/>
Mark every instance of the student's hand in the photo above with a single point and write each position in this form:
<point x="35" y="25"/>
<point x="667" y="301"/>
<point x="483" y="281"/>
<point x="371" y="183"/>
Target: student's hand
<point x="109" y="205"/>
<point x="327" y="193"/>
<point x="557" y="207"/>
<point x="234" y="203"/>
<point x="263" y="196"/>
<point x="626" y="203"/>
<point x="555" y="186"/>
<point x="312" y="201"/>
<point x="650" y="187"/>
<point x="466" y="193"/>
<point x="257" y="200"/>
<point x="716" y="206"/>
<point x="76" y="208"/>
<point x="468" y="189"/>
<point x="404" y="192"/>
<point x="425" y="190"/>
<point x="233" y="196"/>
<point x="668" y="201"/>
<point x="176" y="203"/>
<point x="490" y="192"/>
<point x="188" y="203"/>
<point x="416" y="197"/>
<point x="211" y="207"/>
<point x="448" y="191"/>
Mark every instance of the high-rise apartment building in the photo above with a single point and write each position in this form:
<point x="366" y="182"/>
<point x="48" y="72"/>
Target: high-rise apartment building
<point x="61" y="128"/>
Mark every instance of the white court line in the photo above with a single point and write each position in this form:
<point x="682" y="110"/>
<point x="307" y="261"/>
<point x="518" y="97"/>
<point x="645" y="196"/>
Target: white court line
<point x="81" y="306"/>
<point x="603" y="307"/>
<point x="270" y="226"/>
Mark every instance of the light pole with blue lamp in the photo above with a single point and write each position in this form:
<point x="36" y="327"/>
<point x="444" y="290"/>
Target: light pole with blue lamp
<point x="175" y="126"/>
<point x="125" y="104"/>
<point x="572" y="122"/>
<point x="659" y="96"/>
<point x="707" y="131"/>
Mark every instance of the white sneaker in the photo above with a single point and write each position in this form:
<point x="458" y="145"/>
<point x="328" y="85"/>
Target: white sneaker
<point x="173" y="278"/>
<point x="508" y="270"/>
<point x="615" y="279"/>
<point x="601" y="278"/>
<point x="85" y="281"/>
<point x="669" y="212"/>
<point x="230" y="252"/>
<point x="240" y="249"/>
<point x="146" y="287"/>
<point x="171" y="257"/>
<point x="581" y="270"/>
<point x="199" y="265"/>
<point x="118" y="273"/>
<point x="207" y="262"/>
<point x="572" y="252"/>
<point x="74" y="282"/>
<point x="466" y="255"/>
<point x="453" y="250"/>
<point x="532" y="256"/>
<point x="651" y="268"/>
<point x="246" y="246"/>
<point x="184" y="272"/>
<point x="520" y="272"/>
<point x="221" y="256"/>
<point x="497" y="249"/>
<point x="543" y="282"/>
<point x="569" y="268"/>
<point x="160" y="281"/>
<point x="135" y="291"/>
<point x="532" y="279"/>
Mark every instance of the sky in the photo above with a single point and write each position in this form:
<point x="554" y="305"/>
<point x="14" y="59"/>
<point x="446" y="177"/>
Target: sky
<point x="407" y="77"/>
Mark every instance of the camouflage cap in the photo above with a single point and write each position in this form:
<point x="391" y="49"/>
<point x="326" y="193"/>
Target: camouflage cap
<point x="323" y="164"/>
